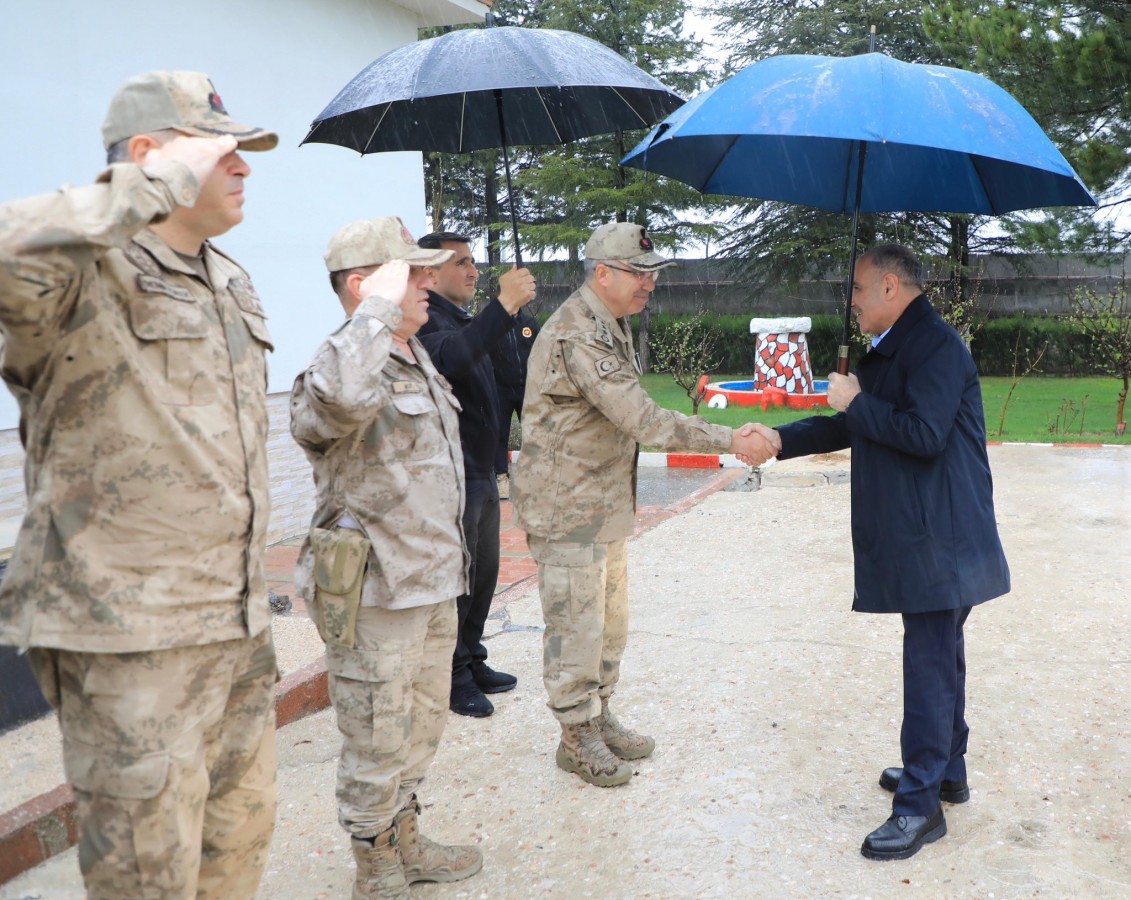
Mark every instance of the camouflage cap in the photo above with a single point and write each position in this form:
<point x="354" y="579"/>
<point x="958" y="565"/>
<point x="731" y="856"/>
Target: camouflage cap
<point x="372" y="242"/>
<point x="184" y="101"/>
<point x="625" y="242"/>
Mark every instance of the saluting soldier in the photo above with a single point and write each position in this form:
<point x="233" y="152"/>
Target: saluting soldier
<point x="137" y="352"/>
<point x="385" y="558"/>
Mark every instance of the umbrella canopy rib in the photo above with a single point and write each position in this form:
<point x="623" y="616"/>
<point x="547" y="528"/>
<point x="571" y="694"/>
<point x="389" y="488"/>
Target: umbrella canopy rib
<point x="376" y="127"/>
<point x="557" y="134"/>
<point x="722" y="157"/>
<point x="985" y="188"/>
<point x="462" y="115"/>
<point x="644" y="123"/>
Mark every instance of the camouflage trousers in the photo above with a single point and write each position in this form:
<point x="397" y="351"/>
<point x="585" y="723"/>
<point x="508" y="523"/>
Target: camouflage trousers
<point x="584" y="590"/>
<point x="171" y="756"/>
<point x="390" y="693"/>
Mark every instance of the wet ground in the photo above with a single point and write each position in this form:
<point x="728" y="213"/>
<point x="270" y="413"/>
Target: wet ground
<point x="774" y="709"/>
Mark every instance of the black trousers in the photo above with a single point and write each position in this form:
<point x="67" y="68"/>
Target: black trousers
<point x="934" y="734"/>
<point x="510" y="403"/>
<point x="481" y="530"/>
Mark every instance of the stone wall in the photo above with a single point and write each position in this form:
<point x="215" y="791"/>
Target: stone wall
<point x="1036" y="285"/>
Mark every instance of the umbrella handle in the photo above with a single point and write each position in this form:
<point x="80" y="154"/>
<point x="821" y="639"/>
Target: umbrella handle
<point x="842" y="359"/>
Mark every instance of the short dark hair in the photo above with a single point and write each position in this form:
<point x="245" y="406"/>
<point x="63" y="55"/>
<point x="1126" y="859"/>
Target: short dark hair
<point x="898" y="259"/>
<point x="436" y="240"/>
<point x="338" y="279"/>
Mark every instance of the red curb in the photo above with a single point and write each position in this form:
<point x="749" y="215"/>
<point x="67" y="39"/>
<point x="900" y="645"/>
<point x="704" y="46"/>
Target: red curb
<point x="693" y="461"/>
<point x="44" y="826"/>
<point x="302" y="693"/>
<point x="34" y="832"/>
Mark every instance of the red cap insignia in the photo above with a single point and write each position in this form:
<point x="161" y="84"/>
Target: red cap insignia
<point x="216" y="104"/>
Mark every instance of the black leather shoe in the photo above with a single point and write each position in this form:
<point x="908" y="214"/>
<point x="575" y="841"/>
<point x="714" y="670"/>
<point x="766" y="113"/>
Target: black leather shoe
<point x="902" y="836"/>
<point x="468" y="700"/>
<point x="490" y="681"/>
<point x="949" y="791"/>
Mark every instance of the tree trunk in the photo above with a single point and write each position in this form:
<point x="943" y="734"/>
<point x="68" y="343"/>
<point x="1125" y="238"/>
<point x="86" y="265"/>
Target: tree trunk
<point x="1120" y="423"/>
<point x="958" y="258"/>
<point x="434" y="179"/>
<point x="645" y="321"/>
<point x="621" y="183"/>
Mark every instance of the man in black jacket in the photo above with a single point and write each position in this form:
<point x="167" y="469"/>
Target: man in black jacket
<point x="459" y="345"/>
<point x="509" y="361"/>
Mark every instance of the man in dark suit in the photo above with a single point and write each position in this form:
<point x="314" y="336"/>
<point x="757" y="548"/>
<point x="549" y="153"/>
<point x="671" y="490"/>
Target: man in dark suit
<point x="924" y="536"/>
<point x="459" y="344"/>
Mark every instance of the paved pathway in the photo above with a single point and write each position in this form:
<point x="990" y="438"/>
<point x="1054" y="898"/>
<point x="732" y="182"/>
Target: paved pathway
<point x="774" y="708"/>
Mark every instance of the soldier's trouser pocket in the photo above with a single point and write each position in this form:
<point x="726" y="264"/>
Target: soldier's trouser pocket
<point x="371" y="693"/>
<point x="583" y="589"/>
<point x="340" y="558"/>
<point x="169" y="751"/>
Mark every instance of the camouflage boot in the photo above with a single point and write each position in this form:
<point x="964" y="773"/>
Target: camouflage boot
<point x="424" y="859"/>
<point x="380" y="872"/>
<point x="624" y="743"/>
<point x="582" y="752"/>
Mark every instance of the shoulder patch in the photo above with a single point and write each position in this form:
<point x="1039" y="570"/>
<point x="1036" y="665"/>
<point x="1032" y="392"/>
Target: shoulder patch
<point x="607" y="365"/>
<point x="603" y="335"/>
<point x="137" y="254"/>
<point x="246" y="297"/>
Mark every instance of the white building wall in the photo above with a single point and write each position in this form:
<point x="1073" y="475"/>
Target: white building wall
<point x="275" y="63"/>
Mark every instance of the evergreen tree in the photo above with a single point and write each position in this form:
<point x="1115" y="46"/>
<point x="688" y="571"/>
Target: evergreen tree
<point x="1069" y="64"/>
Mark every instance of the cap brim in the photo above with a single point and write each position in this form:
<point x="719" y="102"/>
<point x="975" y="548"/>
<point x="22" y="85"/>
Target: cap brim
<point x="249" y="138"/>
<point x="648" y="262"/>
<point x="423" y="257"/>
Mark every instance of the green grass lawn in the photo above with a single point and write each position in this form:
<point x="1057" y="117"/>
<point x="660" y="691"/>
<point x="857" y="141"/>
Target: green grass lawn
<point x="1060" y="410"/>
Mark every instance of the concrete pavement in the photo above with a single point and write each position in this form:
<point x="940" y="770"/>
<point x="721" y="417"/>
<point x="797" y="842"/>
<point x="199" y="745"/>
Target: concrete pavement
<point x="774" y="709"/>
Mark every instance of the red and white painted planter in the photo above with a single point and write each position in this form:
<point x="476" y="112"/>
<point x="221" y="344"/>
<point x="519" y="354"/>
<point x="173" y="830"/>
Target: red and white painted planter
<point x="783" y="375"/>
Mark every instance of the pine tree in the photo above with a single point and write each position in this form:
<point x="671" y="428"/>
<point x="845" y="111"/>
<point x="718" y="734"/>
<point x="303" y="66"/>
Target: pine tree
<point x="1069" y="64"/>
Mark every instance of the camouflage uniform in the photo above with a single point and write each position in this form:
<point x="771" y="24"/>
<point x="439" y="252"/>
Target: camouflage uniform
<point x="382" y="434"/>
<point x="574" y="487"/>
<point x="137" y="577"/>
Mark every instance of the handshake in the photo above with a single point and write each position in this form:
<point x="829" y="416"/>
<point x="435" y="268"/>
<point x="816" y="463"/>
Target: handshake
<point x="754" y="443"/>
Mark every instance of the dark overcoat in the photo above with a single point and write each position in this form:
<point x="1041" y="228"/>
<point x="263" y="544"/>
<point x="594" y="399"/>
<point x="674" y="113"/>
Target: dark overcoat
<point x="924" y="535"/>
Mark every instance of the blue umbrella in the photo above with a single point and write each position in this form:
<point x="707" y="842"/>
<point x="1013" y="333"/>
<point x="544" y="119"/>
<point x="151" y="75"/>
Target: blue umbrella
<point x="864" y="133"/>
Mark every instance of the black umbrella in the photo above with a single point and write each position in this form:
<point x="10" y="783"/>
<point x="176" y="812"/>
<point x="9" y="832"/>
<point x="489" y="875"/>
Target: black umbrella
<point x="491" y="87"/>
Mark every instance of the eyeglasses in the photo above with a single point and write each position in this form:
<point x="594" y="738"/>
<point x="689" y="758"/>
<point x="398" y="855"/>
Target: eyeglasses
<point x="643" y="276"/>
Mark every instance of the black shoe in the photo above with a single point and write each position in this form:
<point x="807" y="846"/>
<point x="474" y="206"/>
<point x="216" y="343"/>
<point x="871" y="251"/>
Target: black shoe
<point x="949" y="791"/>
<point x="468" y="700"/>
<point x="490" y="681"/>
<point x="902" y="836"/>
